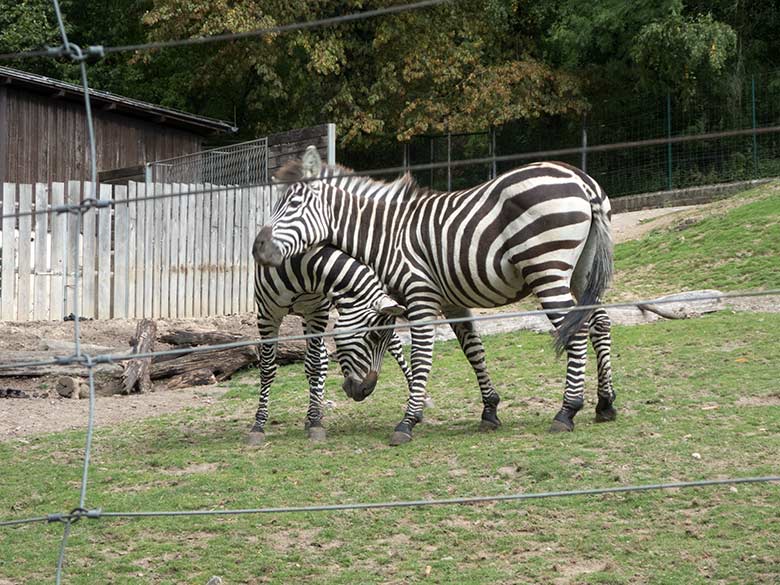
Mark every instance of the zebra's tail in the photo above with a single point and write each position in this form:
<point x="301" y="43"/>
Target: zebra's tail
<point x="592" y="275"/>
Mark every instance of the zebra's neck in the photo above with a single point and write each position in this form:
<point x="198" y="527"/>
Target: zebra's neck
<point x="370" y="229"/>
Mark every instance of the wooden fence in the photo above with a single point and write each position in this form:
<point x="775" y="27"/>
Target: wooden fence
<point x="188" y="255"/>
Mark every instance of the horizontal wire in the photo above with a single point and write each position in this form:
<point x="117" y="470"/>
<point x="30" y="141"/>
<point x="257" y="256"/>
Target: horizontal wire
<point x="540" y="154"/>
<point x="259" y="33"/>
<point x="23" y="521"/>
<point x="115" y="358"/>
<point x="98" y="514"/>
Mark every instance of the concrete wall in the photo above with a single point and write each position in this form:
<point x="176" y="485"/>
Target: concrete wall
<point x="676" y="197"/>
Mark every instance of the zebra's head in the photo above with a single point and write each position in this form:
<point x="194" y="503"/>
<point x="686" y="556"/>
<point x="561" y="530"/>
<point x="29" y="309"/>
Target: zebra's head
<point x="360" y="355"/>
<point x="300" y="219"/>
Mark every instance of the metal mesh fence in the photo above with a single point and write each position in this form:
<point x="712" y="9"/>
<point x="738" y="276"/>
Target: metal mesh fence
<point x="245" y="163"/>
<point x="209" y="172"/>
<point x="633" y="170"/>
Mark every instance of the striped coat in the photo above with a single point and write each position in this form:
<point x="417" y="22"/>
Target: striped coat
<point x="310" y="286"/>
<point x="541" y="229"/>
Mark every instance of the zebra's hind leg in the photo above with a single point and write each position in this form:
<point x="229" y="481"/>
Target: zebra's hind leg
<point x="471" y="344"/>
<point x="600" y="337"/>
<point x="267" y="374"/>
<point x="576" y="352"/>
<point x="316" y="366"/>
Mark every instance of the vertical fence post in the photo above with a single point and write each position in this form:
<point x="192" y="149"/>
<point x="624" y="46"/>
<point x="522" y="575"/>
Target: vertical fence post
<point x="753" y="107"/>
<point x="433" y="157"/>
<point x="669" y="145"/>
<point x="449" y="160"/>
<point x="584" y="159"/>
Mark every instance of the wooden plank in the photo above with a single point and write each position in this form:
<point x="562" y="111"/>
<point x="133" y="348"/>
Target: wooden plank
<point x="41" y="272"/>
<point x="172" y="250"/>
<point x="24" y="292"/>
<point x="230" y="236"/>
<point x="240" y="247"/>
<point x="185" y="254"/>
<point x="89" y="258"/>
<point x="162" y="248"/>
<point x="104" y="309"/>
<point x="253" y="219"/>
<point x="59" y="234"/>
<point x="200" y="300"/>
<point x="132" y="247"/>
<point x="73" y="243"/>
<point x="214" y="200"/>
<point x="222" y="249"/>
<point x="157" y="236"/>
<point x="148" y="265"/>
<point x="8" y="282"/>
<point x="121" y="252"/>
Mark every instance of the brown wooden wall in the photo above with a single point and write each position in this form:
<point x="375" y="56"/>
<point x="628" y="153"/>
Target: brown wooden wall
<point x="44" y="139"/>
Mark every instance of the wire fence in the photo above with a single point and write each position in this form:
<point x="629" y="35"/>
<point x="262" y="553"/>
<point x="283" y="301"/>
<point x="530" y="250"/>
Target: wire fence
<point x="89" y="362"/>
<point x="708" y="158"/>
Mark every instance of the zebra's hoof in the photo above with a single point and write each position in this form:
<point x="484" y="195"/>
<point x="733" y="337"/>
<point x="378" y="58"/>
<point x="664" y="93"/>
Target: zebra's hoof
<point x="255" y="438"/>
<point x="486" y="426"/>
<point x="558" y="426"/>
<point x="316" y="434"/>
<point x="606" y="415"/>
<point x="490" y="420"/>
<point x="399" y="438"/>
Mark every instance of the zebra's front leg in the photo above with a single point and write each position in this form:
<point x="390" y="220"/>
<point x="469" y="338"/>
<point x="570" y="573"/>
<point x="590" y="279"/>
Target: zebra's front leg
<point x="471" y="344"/>
<point x="316" y="367"/>
<point x="422" y="354"/>
<point x="599" y="330"/>
<point x="576" y="353"/>
<point x="268" y="369"/>
<point x="396" y="349"/>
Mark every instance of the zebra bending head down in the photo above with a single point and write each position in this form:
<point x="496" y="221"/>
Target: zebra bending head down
<point x="543" y="228"/>
<point x="311" y="285"/>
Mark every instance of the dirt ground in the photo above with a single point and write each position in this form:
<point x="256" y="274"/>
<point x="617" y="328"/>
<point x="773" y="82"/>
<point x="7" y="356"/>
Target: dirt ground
<point x="24" y="417"/>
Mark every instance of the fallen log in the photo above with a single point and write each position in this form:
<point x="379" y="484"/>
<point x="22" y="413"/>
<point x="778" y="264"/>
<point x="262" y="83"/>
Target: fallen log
<point x="16" y="364"/>
<point x="136" y="375"/>
<point x="287" y="352"/>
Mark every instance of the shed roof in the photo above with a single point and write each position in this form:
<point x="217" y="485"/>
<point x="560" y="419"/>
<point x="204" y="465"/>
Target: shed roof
<point x="120" y="104"/>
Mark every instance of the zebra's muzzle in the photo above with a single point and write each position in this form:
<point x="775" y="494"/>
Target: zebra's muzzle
<point x="264" y="250"/>
<point x="358" y="390"/>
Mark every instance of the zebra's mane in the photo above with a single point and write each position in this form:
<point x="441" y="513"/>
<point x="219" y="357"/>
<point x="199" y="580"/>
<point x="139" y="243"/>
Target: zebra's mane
<point x="404" y="187"/>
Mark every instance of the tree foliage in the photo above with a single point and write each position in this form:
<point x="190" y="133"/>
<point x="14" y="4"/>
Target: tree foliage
<point x="460" y="66"/>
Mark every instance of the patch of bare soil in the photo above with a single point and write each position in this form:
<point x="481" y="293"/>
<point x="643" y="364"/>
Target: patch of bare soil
<point x="21" y="417"/>
<point x="633" y="225"/>
<point x="48" y="412"/>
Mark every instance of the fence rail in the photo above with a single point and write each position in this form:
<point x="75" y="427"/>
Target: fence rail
<point x="177" y="257"/>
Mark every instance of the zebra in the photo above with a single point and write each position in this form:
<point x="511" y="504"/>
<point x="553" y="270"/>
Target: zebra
<point x="311" y="285"/>
<point x="543" y="228"/>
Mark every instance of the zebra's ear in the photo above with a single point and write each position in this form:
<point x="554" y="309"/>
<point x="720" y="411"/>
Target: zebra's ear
<point x="312" y="163"/>
<point x="388" y="306"/>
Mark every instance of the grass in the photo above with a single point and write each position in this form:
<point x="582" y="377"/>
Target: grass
<point x="733" y="245"/>
<point x="707" y="386"/>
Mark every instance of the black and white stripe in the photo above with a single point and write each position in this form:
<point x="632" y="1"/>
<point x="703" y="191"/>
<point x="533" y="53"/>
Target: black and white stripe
<point x="543" y="228"/>
<point x="310" y="286"/>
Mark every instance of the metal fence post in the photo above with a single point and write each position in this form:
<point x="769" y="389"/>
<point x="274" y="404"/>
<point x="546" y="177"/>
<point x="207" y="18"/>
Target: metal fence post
<point x="433" y="158"/>
<point x="669" y="145"/>
<point x="449" y="160"/>
<point x="755" y="141"/>
<point x="493" y="152"/>
<point x="584" y="161"/>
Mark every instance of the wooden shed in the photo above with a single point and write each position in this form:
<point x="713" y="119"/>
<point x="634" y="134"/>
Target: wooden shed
<point x="43" y="131"/>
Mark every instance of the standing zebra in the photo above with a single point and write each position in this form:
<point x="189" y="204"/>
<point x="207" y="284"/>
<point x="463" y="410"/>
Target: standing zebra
<point x="543" y="228"/>
<point x="310" y="286"/>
